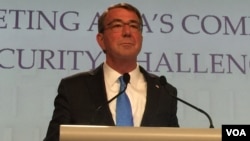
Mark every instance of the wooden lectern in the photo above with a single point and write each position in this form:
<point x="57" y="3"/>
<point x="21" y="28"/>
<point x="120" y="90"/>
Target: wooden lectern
<point x="114" y="133"/>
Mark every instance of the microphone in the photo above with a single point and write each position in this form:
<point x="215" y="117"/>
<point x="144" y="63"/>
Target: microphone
<point x="126" y="79"/>
<point x="164" y="83"/>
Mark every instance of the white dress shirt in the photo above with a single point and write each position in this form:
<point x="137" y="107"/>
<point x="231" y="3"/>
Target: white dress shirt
<point x="136" y="91"/>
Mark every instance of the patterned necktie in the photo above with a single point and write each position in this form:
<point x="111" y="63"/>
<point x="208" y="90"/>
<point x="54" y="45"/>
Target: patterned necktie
<point x="123" y="108"/>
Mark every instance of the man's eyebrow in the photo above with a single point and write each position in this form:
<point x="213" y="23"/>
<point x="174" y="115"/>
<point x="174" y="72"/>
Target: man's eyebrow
<point x="119" y="20"/>
<point x="114" y="20"/>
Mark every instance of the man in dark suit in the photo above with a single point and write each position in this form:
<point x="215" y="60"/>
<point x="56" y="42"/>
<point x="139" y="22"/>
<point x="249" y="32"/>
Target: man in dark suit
<point x="80" y="95"/>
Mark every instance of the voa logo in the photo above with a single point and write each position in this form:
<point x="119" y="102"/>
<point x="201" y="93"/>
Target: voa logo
<point x="236" y="132"/>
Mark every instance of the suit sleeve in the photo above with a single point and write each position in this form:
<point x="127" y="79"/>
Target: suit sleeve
<point x="174" y="119"/>
<point x="61" y="114"/>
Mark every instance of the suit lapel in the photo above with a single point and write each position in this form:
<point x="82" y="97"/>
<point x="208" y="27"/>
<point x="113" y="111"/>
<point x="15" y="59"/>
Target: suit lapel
<point x="97" y="89"/>
<point x="152" y="98"/>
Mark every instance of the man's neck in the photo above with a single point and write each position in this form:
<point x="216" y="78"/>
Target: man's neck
<point x="122" y="67"/>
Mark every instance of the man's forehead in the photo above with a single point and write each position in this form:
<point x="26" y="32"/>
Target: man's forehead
<point x="121" y="14"/>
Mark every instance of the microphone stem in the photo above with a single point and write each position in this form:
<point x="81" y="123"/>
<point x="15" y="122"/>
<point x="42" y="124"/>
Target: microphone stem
<point x="200" y="110"/>
<point x="106" y="103"/>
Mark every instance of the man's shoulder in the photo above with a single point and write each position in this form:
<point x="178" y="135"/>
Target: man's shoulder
<point x="94" y="72"/>
<point x="153" y="78"/>
<point x="148" y="74"/>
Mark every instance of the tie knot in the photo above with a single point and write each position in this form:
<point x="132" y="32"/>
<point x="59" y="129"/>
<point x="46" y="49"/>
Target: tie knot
<point x="122" y="83"/>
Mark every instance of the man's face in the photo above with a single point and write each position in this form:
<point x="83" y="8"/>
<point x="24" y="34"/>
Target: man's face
<point x="122" y="37"/>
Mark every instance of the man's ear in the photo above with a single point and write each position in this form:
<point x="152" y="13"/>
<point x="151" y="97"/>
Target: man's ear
<point x="100" y="41"/>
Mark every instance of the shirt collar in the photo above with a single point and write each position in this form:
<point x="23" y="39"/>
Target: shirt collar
<point x="112" y="76"/>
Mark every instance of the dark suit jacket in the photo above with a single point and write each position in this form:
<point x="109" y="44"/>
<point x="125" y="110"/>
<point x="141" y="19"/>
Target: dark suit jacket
<point x="79" y="96"/>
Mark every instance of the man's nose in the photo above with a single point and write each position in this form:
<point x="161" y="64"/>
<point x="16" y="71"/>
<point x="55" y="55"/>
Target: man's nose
<point x="126" y="30"/>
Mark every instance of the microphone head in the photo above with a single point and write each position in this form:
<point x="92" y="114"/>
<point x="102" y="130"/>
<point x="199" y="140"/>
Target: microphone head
<point x="126" y="78"/>
<point x="163" y="80"/>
